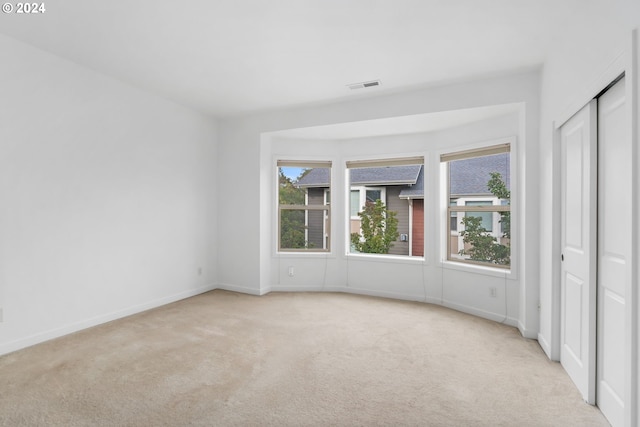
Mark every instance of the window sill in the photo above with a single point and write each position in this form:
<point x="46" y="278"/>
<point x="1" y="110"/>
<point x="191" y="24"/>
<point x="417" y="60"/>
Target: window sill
<point x="304" y="255"/>
<point x="396" y="259"/>
<point x="478" y="269"/>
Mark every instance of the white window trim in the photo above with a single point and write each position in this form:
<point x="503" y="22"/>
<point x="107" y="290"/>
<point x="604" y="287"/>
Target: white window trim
<point x="326" y="238"/>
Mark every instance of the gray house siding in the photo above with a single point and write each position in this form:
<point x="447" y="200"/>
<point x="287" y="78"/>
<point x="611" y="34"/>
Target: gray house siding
<point x="315" y="223"/>
<point x="401" y="207"/>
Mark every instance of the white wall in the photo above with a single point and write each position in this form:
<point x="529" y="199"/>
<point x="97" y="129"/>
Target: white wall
<point x="246" y="171"/>
<point x="591" y="53"/>
<point x="596" y="47"/>
<point x="108" y="198"/>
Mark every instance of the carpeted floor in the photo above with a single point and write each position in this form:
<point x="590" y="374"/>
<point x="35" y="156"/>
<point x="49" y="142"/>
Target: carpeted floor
<point x="291" y="359"/>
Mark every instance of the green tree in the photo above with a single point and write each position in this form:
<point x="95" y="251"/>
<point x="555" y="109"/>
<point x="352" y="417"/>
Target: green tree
<point x="379" y="229"/>
<point x="498" y="188"/>
<point x="292" y="224"/>
<point x="289" y="194"/>
<point x="483" y="246"/>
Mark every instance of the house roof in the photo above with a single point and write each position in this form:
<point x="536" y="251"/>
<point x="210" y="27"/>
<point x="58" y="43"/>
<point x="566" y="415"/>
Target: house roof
<point x="468" y="177"/>
<point x="317" y="177"/>
<point x="415" y="191"/>
<point x="391" y="175"/>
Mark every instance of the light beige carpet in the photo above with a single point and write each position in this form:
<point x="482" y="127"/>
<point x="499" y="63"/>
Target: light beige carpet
<point x="291" y="359"/>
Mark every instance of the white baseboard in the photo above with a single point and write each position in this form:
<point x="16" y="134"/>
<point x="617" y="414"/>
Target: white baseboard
<point x="526" y="332"/>
<point x="434" y="300"/>
<point x="545" y="345"/>
<point x="496" y="317"/>
<point x="98" y="320"/>
<point x="348" y="290"/>
<point x="280" y="288"/>
<point x="383" y="294"/>
<point x="240" y="289"/>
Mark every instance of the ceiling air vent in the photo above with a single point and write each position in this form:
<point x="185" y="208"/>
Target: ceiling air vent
<point x="361" y="85"/>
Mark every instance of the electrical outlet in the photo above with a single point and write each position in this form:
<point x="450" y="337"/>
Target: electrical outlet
<point x="493" y="292"/>
<point x="290" y="271"/>
<point x="1" y="316"/>
<point x="199" y="271"/>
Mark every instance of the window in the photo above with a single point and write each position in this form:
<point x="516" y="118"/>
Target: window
<point x="304" y="206"/>
<point x="355" y="204"/>
<point x="361" y="196"/>
<point x="479" y="206"/>
<point x="386" y="208"/>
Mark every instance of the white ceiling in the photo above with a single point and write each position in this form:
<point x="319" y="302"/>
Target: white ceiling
<point x="417" y="123"/>
<point x="229" y="57"/>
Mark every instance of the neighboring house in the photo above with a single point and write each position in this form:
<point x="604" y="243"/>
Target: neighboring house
<point x="401" y="189"/>
<point x="316" y="185"/>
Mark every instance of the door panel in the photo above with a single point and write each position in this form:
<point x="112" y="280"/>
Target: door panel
<point x="574" y="291"/>
<point x="578" y="239"/>
<point x="614" y="248"/>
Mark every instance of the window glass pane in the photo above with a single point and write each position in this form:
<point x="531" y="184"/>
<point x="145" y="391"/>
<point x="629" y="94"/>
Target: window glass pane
<point x="373" y="195"/>
<point x="303" y="229"/>
<point x="477" y="245"/>
<point x="473" y="235"/>
<point x="289" y="193"/>
<point x="295" y="183"/>
<point x="473" y="177"/>
<point x="293" y="229"/>
<point x="390" y="200"/>
<point x="355" y="203"/>
<point x="487" y="217"/>
<point x="505" y="221"/>
<point x="316" y="229"/>
<point x="453" y="216"/>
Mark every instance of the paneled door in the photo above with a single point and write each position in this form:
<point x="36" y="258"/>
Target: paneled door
<point x="578" y="240"/>
<point x="614" y="251"/>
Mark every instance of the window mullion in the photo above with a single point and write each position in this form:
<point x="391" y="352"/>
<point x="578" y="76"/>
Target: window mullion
<point x="488" y="208"/>
<point x="305" y="207"/>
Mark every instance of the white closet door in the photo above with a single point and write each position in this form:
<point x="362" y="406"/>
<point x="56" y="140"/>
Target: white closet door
<point x="578" y="239"/>
<point x="614" y="249"/>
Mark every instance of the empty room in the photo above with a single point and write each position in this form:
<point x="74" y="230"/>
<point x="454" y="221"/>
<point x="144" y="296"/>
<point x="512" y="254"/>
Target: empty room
<point x="308" y="212"/>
